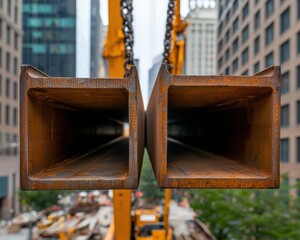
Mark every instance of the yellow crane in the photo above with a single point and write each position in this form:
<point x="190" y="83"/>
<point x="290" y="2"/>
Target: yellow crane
<point x="114" y="52"/>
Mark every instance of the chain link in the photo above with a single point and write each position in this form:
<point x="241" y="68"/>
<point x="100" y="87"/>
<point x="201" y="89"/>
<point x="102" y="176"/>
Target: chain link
<point x="126" y="13"/>
<point x="168" y="35"/>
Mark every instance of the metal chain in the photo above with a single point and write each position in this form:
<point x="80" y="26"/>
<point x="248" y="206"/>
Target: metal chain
<point x="126" y="13"/>
<point x="168" y="35"/>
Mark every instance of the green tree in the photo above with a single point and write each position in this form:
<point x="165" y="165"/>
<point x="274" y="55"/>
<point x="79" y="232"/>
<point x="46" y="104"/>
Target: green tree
<point x="249" y="214"/>
<point x="148" y="184"/>
<point x="40" y="199"/>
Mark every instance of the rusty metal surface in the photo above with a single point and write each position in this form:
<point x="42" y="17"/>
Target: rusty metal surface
<point x="72" y="134"/>
<point x="215" y="131"/>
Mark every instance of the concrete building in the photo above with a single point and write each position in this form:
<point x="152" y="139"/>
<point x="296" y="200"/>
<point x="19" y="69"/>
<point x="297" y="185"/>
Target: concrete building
<point x="253" y="35"/>
<point x="10" y="60"/>
<point x="61" y="38"/>
<point x="200" y="57"/>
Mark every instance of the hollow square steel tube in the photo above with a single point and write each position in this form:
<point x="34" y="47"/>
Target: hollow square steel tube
<point x="215" y="131"/>
<point x="72" y="131"/>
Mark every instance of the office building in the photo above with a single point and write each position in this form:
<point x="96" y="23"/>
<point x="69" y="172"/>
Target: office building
<point x="253" y="35"/>
<point x="200" y="56"/>
<point x="62" y="37"/>
<point x="10" y="60"/>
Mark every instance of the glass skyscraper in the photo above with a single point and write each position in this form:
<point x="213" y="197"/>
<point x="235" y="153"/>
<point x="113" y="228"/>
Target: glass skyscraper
<point x="50" y="36"/>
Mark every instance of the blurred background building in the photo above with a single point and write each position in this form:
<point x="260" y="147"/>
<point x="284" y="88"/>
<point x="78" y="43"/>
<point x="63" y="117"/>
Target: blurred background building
<point x="200" y="56"/>
<point x="53" y="32"/>
<point x="10" y="60"/>
<point x="253" y="35"/>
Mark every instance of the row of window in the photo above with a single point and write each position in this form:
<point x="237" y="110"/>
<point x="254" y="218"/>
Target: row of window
<point x="269" y="9"/>
<point x="284" y="150"/>
<point x="11" y="7"/>
<point x="284" y="50"/>
<point x="8" y="62"/>
<point x="9" y="88"/>
<point x="269" y="31"/>
<point x="9" y="34"/>
<point x="9" y="113"/>
<point x="285" y="115"/>
<point x="8" y="145"/>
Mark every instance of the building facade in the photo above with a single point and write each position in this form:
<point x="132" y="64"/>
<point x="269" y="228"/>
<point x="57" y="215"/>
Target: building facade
<point x="61" y="38"/>
<point x="253" y="35"/>
<point x="200" y="56"/>
<point x="50" y="36"/>
<point x="10" y="60"/>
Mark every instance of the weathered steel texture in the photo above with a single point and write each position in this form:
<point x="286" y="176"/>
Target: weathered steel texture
<point x="72" y="131"/>
<point x="215" y="131"/>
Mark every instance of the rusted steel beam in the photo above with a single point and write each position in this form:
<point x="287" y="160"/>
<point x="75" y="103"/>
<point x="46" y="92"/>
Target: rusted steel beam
<point x="215" y="131"/>
<point x="72" y="131"/>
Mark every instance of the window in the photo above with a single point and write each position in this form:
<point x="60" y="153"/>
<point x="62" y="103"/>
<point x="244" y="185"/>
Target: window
<point x="245" y="73"/>
<point x="256" y="45"/>
<point x="285" y="83"/>
<point x="9" y="7"/>
<point x="257" y="20"/>
<point x="298" y="155"/>
<point x="298" y="77"/>
<point x="8" y="61"/>
<point x="284" y="116"/>
<point x="227" y="54"/>
<point x="246" y="10"/>
<point x="15" y="116"/>
<point x="7" y="110"/>
<point x="256" y="1"/>
<point x="235" y="66"/>
<point x="245" y="34"/>
<point x="235" y="25"/>
<point x="16" y="41"/>
<point x="227" y="71"/>
<point x="269" y="8"/>
<point x="227" y="17"/>
<point x="235" y="6"/>
<point x="256" y="68"/>
<point x="298" y="42"/>
<point x="235" y="45"/>
<point x="7" y="92"/>
<point x="220" y="45"/>
<point x="8" y="33"/>
<point x="220" y="61"/>
<point x="284" y="150"/>
<point x="15" y="66"/>
<point x="220" y="28"/>
<point x="245" y="56"/>
<point x="16" y="14"/>
<point x="298" y="9"/>
<point x="227" y="35"/>
<point x="285" y="51"/>
<point x="285" y="20"/>
<point x="269" y="59"/>
<point x="0" y="27"/>
<point x="269" y="34"/>
<point x="15" y="91"/>
<point x="298" y="112"/>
